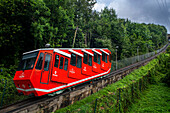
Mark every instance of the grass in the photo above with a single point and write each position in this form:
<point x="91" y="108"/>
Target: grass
<point x="155" y="99"/>
<point x="107" y="97"/>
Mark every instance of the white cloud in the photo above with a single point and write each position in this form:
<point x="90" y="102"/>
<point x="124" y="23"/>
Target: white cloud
<point x="142" y="11"/>
<point x="99" y="6"/>
<point x="137" y="11"/>
<point x="124" y="9"/>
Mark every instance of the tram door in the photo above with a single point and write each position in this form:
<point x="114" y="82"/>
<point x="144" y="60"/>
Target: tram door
<point x="46" y="69"/>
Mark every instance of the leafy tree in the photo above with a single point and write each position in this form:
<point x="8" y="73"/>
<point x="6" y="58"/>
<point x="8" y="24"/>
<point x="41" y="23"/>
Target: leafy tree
<point x="30" y="24"/>
<point x="22" y="26"/>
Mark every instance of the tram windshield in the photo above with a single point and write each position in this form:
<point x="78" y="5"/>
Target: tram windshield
<point x="28" y="61"/>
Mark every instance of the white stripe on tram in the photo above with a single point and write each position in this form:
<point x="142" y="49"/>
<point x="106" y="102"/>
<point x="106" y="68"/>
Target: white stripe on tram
<point x="96" y="51"/>
<point x="104" y="51"/>
<point x="77" y="53"/>
<point x="87" y="52"/>
<point x="53" y="89"/>
<point x="62" y="53"/>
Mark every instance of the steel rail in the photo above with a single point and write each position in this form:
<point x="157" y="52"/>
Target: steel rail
<point x="19" y="106"/>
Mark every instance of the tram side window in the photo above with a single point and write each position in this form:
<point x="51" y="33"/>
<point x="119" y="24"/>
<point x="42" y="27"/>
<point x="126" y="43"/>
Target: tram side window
<point x="56" y="61"/>
<point x="95" y="57"/>
<point x="79" y="60"/>
<point x="106" y="59"/>
<point x="109" y="58"/>
<point x="61" y="63"/>
<point x="98" y="59"/>
<point x="85" y="58"/>
<point x="73" y="59"/>
<point x="90" y="60"/>
<point x="66" y="64"/>
<point x="40" y="61"/>
<point x="103" y="56"/>
<point x="47" y="62"/>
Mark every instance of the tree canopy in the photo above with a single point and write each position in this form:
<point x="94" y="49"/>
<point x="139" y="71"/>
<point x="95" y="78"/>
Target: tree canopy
<point x="30" y="24"/>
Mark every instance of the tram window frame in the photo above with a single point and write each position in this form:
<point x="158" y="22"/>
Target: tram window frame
<point x="40" y="61"/>
<point x="110" y="58"/>
<point x="47" y="62"/>
<point x="98" y="59"/>
<point x="73" y="59"/>
<point x="103" y="56"/>
<point x="56" y="63"/>
<point x="106" y="58"/>
<point x="95" y="57"/>
<point x="66" y="64"/>
<point x="89" y="60"/>
<point x="79" y="62"/>
<point x="85" y="59"/>
<point x="61" y="62"/>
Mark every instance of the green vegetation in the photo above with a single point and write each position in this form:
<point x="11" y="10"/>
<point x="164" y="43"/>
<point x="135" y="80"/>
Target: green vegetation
<point x="26" y="25"/>
<point x="30" y="24"/>
<point x="7" y="87"/>
<point x="118" y="96"/>
<point x="155" y="99"/>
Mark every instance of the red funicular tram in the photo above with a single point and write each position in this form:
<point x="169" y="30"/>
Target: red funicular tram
<point x="45" y="71"/>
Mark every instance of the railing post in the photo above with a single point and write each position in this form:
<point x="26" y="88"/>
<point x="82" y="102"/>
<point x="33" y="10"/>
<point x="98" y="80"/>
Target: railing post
<point x="119" y="99"/>
<point x="3" y="93"/>
<point x="95" y="105"/>
<point x="132" y="91"/>
<point x="140" y="85"/>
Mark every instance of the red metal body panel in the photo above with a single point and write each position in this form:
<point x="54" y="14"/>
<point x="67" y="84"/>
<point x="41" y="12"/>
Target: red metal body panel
<point x="86" y="69"/>
<point x="60" y="75"/>
<point x="96" y="67"/>
<point x="75" y="72"/>
<point x="51" y="78"/>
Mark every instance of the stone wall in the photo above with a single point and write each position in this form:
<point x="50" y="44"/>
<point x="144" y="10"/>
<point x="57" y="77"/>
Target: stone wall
<point x="66" y="99"/>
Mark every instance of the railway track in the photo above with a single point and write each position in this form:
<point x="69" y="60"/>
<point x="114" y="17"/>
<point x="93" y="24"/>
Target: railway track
<point x="47" y="104"/>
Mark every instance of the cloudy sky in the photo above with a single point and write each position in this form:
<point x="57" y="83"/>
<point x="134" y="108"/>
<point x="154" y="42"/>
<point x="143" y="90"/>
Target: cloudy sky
<point x="142" y="11"/>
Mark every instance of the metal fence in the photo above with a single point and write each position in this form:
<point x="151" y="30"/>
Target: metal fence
<point x="9" y="94"/>
<point x="121" y="98"/>
<point x="116" y="101"/>
<point x="128" y="61"/>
